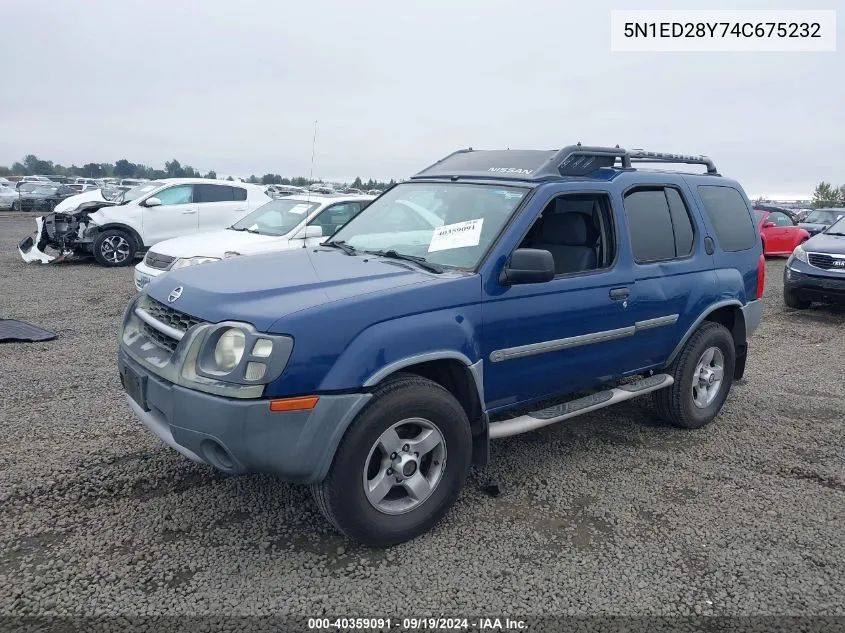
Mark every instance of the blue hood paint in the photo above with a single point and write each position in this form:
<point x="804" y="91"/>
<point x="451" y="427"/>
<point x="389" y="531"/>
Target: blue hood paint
<point x="261" y="289"/>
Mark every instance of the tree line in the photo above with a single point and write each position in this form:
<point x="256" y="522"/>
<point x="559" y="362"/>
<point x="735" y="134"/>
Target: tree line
<point x="31" y="165"/>
<point x="826" y="195"/>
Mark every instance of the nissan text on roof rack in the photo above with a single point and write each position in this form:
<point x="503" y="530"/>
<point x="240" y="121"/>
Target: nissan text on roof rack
<point x="378" y="367"/>
<point x="114" y="231"/>
<point x="278" y="225"/>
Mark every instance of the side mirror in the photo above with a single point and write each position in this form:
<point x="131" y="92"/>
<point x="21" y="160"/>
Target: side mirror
<point x="152" y="202"/>
<point x="311" y="230"/>
<point x="768" y="225"/>
<point x="528" y="266"/>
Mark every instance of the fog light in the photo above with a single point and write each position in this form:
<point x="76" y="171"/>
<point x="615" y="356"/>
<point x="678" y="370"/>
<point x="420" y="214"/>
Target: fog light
<point x="255" y="371"/>
<point x="263" y="348"/>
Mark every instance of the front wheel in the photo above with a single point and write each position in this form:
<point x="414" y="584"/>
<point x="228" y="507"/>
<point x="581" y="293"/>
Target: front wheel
<point x="703" y="374"/>
<point x="400" y="466"/>
<point x="114" y="248"/>
<point x="791" y="300"/>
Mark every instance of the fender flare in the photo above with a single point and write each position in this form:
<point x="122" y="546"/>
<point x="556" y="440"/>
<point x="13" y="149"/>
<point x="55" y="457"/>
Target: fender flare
<point x="692" y="328"/>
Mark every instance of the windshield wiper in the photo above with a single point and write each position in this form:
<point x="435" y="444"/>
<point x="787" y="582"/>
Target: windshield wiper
<point x="422" y="262"/>
<point x="232" y="228"/>
<point x="835" y="233"/>
<point x="342" y="245"/>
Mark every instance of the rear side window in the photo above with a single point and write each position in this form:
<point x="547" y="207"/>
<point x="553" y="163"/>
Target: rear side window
<point x="659" y="224"/>
<point x="729" y="216"/>
<point x="212" y="193"/>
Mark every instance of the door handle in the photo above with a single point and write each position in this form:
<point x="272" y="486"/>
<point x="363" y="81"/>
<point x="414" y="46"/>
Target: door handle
<point x="619" y="293"/>
<point x="188" y="212"/>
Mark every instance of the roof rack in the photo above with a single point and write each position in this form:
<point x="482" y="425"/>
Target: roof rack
<point x="572" y="160"/>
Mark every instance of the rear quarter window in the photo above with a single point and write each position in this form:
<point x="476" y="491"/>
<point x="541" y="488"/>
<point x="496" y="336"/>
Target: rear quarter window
<point x="729" y="217"/>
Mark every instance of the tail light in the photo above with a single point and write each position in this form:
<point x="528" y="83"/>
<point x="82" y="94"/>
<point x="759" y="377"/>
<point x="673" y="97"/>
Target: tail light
<point x="761" y="275"/>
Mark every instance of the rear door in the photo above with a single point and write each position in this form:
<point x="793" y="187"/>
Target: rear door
<point x="174" y="217"/>
<point x="219" y="206"/>
<point x="674" y="274"/>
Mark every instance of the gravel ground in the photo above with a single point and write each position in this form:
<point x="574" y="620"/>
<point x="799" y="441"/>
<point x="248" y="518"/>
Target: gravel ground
<point x="610" y="514"/>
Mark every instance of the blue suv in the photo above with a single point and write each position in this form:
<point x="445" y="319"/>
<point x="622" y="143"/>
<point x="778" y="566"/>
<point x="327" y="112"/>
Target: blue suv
<point x="377" y="366"/>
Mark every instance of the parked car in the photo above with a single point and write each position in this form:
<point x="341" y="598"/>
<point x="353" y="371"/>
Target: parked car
<point x="8" y="196"/>
<point x="320" y="187"/>
<point x="374" y="192"/>
<point x="816" y="270"/>
<point x="819" y="219"/>
<point x="378" y="376"/>
<point x="279" y="225"/>
<point x="779" y="232"/>
<point x="114" y="231"/>
<point x="41" y="197"/>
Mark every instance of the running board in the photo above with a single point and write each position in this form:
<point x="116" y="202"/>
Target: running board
<point x="566" y="410"/>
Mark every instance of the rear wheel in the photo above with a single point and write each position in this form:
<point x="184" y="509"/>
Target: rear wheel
<point x="703" y="374"/>
<point x="791" y="300"/>
<point x="400" y="466"/>
<point x="114" y="247"/>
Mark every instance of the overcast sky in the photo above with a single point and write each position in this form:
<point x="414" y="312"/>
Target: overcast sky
<point x="236" y="86"/>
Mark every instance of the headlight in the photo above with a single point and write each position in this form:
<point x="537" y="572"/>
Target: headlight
<point x="800" y="254"/>
<point x="229" y="350"/>
<point x="191" y="261"/>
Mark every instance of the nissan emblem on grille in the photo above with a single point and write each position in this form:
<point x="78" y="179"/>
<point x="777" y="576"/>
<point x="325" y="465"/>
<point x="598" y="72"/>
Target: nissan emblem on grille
<point x="174" y="294"/>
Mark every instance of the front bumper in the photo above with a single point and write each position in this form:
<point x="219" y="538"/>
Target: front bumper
<point x="239" y="436"/>
<point x="809" y="283"/>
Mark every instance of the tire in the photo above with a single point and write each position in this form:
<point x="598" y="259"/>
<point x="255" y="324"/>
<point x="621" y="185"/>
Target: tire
<point x="677" y="404"/>
<point x="791" y="300"/>
<point x="114" y="247"/>
<point x="398" y="517"/>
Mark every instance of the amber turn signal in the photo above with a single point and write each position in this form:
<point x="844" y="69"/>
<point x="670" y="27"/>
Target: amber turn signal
<point x="304" y="403"/>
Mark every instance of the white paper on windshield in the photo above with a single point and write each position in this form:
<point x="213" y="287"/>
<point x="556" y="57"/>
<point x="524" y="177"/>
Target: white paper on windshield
<point x="299" y="209"/>
<point x="458" y="235"/>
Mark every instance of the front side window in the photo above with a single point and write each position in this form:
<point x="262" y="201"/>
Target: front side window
<point x="779" y="219"/>
<point x="277" y="217"/>
<point x="180" y="194"/>
<point x="332" y="218"/>
<point x="468" y="218"/>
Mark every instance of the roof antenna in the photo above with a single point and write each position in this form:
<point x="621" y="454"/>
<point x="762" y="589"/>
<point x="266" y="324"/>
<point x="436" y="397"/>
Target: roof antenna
<point x="310" y="183"/>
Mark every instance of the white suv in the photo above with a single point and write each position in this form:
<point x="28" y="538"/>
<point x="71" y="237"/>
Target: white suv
<point x="163" y="209"/>
<point x="282" y="224"/>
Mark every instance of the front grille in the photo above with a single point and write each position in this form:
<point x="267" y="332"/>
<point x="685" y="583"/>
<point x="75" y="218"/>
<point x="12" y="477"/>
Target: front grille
<point x="826" y="262"/>
<point x="159" y="338"/>
<point x="166" y="316"/>
<point x="159" y="261"/>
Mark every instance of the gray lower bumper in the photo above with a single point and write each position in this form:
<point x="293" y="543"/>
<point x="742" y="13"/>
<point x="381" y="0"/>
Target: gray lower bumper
<point x="752" y="312"/>
<point x="244" y="436"/>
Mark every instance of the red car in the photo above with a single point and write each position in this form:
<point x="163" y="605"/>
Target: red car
<point x="780" y="233"/>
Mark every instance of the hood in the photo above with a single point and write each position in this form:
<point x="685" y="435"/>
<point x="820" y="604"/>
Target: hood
<point x="825" y="243"/>
<point x="216" y="243"/>
<point x="812" y="228"/>
<point x="264" y="288"/>
<point x="69" y="204"/>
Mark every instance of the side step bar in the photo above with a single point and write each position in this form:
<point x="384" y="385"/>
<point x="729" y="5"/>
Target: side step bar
<point x="566" y="410"/>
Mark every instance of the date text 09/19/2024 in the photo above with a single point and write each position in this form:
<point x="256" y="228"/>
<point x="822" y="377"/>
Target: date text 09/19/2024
<point x="416" y="624"/>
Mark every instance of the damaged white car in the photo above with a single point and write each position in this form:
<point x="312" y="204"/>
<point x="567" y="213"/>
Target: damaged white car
<point x="115" y="231"/>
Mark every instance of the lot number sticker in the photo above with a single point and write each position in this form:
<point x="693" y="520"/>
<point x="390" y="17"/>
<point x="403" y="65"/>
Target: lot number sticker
<point x="458" y="235"/>
<point x="299" y="209"/>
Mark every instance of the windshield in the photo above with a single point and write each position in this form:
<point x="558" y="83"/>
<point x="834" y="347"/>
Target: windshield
<point x="838" y="226"/>
<point x="278" y="217"/>
<point x="824" y="216"/>
<point x="140" y="190"/>
<point x="451" y="224"/>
